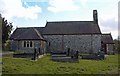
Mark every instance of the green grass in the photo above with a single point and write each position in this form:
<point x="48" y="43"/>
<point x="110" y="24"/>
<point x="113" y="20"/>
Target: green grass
<point x="46" y="66"/>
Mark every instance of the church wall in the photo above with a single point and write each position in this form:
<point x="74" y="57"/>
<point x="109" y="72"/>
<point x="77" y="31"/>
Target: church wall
<point x="18" y="46"/>
<point x="82" y="43"/>
<point x="110" y="48"/>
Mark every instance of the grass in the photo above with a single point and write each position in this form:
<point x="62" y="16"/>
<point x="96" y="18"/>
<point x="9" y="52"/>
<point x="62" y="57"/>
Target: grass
<point x="46" y="66"/>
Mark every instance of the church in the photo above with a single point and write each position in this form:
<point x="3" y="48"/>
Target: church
<point x="58" y="36"/>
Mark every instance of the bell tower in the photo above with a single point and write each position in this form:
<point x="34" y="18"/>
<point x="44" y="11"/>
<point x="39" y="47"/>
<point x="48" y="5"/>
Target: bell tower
<point x="95" y="17"/>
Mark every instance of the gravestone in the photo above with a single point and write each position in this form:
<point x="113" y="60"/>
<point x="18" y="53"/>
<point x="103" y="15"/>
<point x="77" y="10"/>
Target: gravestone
<point x="77" y="54"/>
<point x="72" y="53"/>
<point x="102" y="55"/>
<point x="35" y="51"/>
<point x="68" y="52"/>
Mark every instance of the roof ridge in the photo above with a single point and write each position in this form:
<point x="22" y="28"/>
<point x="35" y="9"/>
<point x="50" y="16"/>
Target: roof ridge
<point x="37" y="32"/>
<point x="106" y="34"/>
<point x="23" y="27"/>
<point x="64" y="27"/>
<point x="68" y="21"/>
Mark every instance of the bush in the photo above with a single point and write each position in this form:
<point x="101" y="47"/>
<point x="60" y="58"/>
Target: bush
<point x="6" y="46"/>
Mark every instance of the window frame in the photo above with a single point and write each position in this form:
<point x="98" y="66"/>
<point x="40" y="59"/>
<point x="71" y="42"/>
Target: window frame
<point x="28" y="44"/>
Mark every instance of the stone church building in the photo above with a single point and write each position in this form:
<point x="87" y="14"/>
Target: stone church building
<point x="84" y="36"/>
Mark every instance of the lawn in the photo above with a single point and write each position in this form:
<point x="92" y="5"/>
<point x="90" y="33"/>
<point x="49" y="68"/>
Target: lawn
<point x="47" y="66"/>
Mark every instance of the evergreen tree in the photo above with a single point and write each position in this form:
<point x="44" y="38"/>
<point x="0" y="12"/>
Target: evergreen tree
<point x="6" y="30"/>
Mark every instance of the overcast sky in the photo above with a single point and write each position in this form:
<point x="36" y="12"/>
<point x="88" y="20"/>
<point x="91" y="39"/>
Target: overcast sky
<point x="35" y="13"/>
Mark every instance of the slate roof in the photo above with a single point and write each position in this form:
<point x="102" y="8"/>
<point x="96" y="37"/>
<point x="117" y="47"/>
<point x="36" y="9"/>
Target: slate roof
<point x="107" y="38"/>
<point x="56" y="28"/>
<point x="40" y="29"/>
<point x="71" y="27"/>
<point x="30" y="33"/>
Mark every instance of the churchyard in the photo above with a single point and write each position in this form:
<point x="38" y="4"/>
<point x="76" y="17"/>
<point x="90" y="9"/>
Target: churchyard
<point x="44" y="65"/>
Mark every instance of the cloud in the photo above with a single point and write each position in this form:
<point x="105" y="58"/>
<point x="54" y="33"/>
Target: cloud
<point x="109" y="26"/>
<point x="108" y="19"/>
<point x="2" y="6"/>
<point x="14" y="8"/>
<point x="83" y="2"/>
<point x="62" y="5"/>
<point x="109" y="23"/>
<point x="110" y="15"/>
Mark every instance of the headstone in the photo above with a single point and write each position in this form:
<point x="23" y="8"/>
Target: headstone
<point x="34" y="58"/>
<point x="39" y="51"/>
<point x="77" y="54"/>
<point x="68" y="52"/>
<point x="72" y="53"/>
<point x="102" y="55"/>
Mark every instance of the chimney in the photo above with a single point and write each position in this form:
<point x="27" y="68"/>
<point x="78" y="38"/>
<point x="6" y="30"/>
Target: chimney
<point x="95" y="17"/>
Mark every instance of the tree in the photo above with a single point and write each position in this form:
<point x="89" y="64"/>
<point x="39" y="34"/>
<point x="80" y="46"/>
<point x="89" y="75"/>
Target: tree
<point x="6" y="30"/>
<point x="0" y="32"/>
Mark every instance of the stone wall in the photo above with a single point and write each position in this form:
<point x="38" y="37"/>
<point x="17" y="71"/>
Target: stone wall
<point x="25" y="49"/>
<point x="110" y="48"/>
<point x="96" y="45"/>
<point x="54" y="42"/>
<point x="17" y="46"/>
<point x="82" y="43"/>
<point x="60" y="43"/>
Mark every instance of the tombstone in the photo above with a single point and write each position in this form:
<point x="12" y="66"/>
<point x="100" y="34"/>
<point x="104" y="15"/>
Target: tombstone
<point x="72" y="53"/>
<point x="102" y="55"/>
<point x="35" y="51"/>
<point x="39" y="51"/>
<point x="77" y="54"/>
<point x="68" y="52"/>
